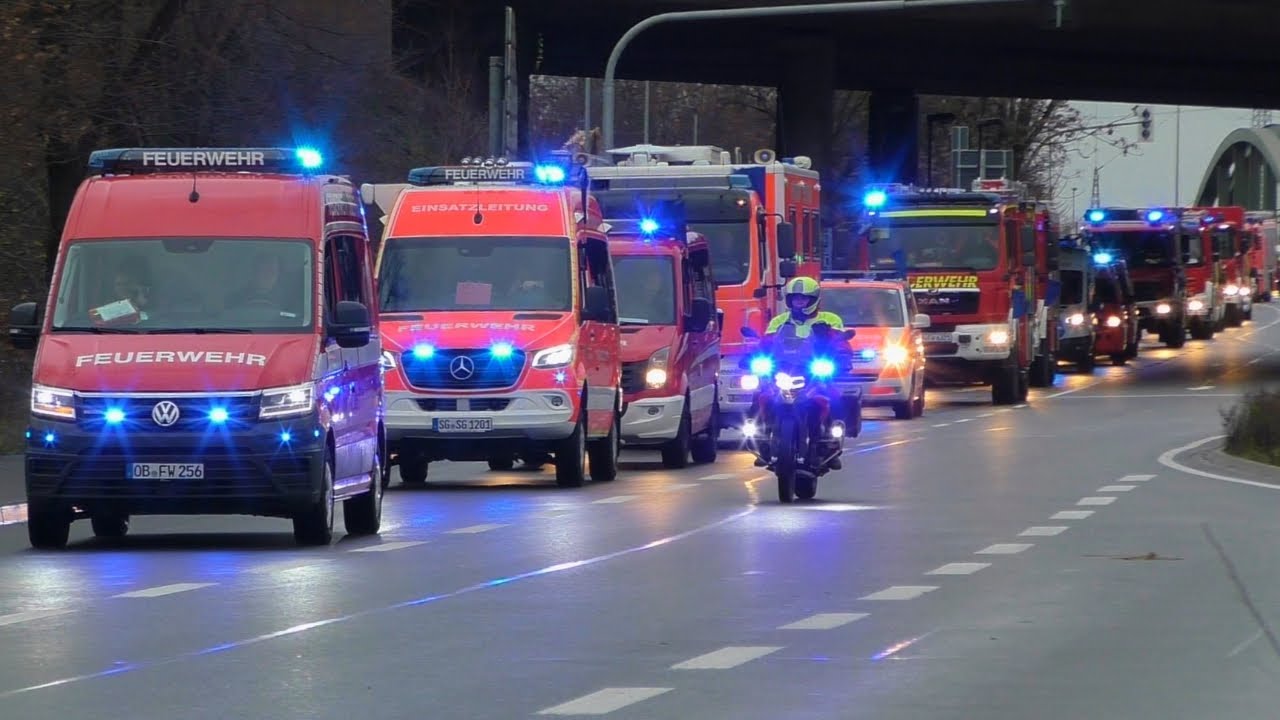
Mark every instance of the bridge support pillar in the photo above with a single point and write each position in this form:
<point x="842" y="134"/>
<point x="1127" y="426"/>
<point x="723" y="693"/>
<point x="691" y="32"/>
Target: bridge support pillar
<point x="893" y="136"/>
<point x="806" y="98"/>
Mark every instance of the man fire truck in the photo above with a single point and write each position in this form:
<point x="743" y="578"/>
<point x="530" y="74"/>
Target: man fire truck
<point x="1262" y="228"/>
<point x="1174" y="277"/>
<point x="1226" y="229"/>
<point x="980" y="265"/>
<point x="760" y="220"/>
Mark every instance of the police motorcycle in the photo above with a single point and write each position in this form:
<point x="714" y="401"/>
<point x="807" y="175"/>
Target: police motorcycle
<point x="794" y="433"/>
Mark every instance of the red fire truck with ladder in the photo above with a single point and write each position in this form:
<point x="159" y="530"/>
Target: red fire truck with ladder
<point x="983" y="269"/>
<point x="761" y="222"/>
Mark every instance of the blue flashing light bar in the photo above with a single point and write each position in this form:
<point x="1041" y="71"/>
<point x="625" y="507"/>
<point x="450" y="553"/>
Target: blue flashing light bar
<point x="549" y="174"/>
<point x="761" y="365"/>
<point x="868" y="354"/>
<point x="1155" y="216"/>
<point x="142" y="161"/>
<point x="649" y="226"/>
<point x="1096" y="216"/>
<point x="1102" y="258"/>
<point x="875" y="199"/>
<point x="501" y="350"/>
<point x="822" y="368"/>
<point x="423" y="352"/>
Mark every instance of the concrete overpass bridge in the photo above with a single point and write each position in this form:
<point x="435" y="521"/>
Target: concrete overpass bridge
<point x="1245" y="170"/>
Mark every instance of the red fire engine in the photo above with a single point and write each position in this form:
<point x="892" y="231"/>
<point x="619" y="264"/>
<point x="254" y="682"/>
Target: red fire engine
<point x="760" y="220"/>
<point x="981" y="266"/>
<point x="1262" y="228"/>
<point x="1225" y="227"/>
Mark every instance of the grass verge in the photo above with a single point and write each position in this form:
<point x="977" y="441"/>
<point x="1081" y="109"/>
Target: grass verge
<point x="1253" y="427"/>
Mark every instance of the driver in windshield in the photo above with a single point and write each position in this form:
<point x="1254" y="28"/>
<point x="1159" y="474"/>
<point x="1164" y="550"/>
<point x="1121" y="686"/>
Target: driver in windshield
<point x="651" y="297"/>
<point x="261" y="289"/>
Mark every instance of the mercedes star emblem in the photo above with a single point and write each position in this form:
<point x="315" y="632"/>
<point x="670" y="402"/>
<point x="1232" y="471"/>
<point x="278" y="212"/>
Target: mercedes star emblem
<point x="462" y="367"/>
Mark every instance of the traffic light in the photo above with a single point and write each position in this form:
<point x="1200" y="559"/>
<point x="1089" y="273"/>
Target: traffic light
<point x="1145" y="129"/>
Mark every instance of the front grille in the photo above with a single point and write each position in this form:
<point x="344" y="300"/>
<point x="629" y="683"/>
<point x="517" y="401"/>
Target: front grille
<point x="462" y="370"/>
<point x="103" y="476"/>
<point x="193" y="412"/>
<point x="948" y="302"/>
<point x="860" y="376"/>
<point x="942" y="348"/>
<point x="633" y="376"/>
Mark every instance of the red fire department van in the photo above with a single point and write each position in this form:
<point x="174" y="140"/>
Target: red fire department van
<point x="499" y="320"/>
<point x="207" y="347"/>
<point x="1114" y="311"/>
<point x="1263" y="238"/>
<point x="670" y="343"/>
<point x="761" y="220"/>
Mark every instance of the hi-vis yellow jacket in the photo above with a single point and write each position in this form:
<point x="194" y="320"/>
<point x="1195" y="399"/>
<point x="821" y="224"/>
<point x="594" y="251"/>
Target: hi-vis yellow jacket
<point x="805" y="325"/>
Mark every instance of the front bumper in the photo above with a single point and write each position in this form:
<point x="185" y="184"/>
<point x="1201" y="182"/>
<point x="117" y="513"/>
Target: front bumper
<point x="249" y="472"/>
<point x="873" y="390"/>
<point x="1110" y="340"/>
<point x="968" y="342"/>
<point x="652" y="421"/>
<point x="1074" y="349"/>
<point x="519" y="418"/>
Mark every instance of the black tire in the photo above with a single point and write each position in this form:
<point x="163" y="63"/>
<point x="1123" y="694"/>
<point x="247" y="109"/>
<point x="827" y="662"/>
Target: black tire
<point x="314" y="525"/>
<point x="110" y="526"/>
<point x="1248" y="314"/>
<point x="853" y="420"/>
<point x="501" y="463"/>
<point x="413" y="471"/>
<point x="384" y="461"/>
<point x="1119" y="359"/>
<point x="1004" y="387"/>
<point x="571" y="455"/>
<point x="675" y="452"/>
<point x="902" y="410"/>
<point x="1024" y="385"/>
<point x="918" y="404"/>
<point x="1177" y="336"/>
<point x="603" y="453"/>
<point x="1232" y="316"/>
<point x="783" y="445"/>
<point x="705" y="446"/>
<point x="1201" y="331"/>
<point x="806" y="487"/>
<point x="1088" y="361"/>
<point x="362" y="514"/>
<point x="48" y="526"/>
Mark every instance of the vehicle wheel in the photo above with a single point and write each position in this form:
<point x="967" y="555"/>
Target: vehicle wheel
<point x="806" y="487"/>
<point x="48" y="526"/>
<point x="1004" y="387"/>
<point x="571" y="456"/>
<point x="413" y="471"/>
<point x="1200" y="331"/>
<point x="1232" y="316"/>
<point x="362" y="514"/>
<point x="853" y="420"/>
<point x="1248" y="314"/>
<point x="783" y="445"/>
<point x="110" y="526"/>
<point x="384" y="464"/>
<point x="705" y="445"/>
<point x="502" y="463"/>
<point x="1177" y="336"/>
<point x="314" y="526"/>
<point x="1088" y="361"/>
<point x="1119" y="359"/>
<point x="918" y="404"/>
<point x="603" y="453"/>
<point x="902" y="410"/>
<point x="675" y="452"/>
<point x="1024" y="385"/>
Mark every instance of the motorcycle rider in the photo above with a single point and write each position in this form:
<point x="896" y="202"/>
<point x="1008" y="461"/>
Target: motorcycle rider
<point x="802" y="296"/>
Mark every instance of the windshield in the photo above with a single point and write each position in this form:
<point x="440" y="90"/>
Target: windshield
<point x="1140" y="249"/>
<point x="475" y="273"/>
<point x="1106" y="290"/>
<point x="186" y="284"/>
<point x="646" y="290"/>
<point x="865" y="307"/>
<point x="937" y="245"/>
<point x="1072" y="292"/>
<point x="730" y="246"/>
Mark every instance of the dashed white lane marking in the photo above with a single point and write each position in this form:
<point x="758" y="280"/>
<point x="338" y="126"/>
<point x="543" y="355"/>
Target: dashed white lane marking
<point x="1201" y="387"/>
<point x="942" y="425"/>
<point x="614" y="500"/>
<point x="679" y="486"/>
<point x="726" y="658"/>
<point x="964" y="420"/>
<point x="388" y="547"/>
<point x="28" y="616"/>
<point x="1135" y="478"/>
<point x="1245" y="643"/>
<point x="901" y="592"/>
<point x="1097" y="500"/>
<point x="986" y="415"/>
<point x="959" y="568"/>
<point x="824" y="621"/>
<point x="1167" y="459"/>
<point x="1072" y="515"/>
<point x="1116" y="488"/>
<point x="866" y="443"/>
<point x="721" y="476"/>
<point x="1019" y="407"/>
<point x="473" y="529"/>
<point x="603" y="702"/>
<point x="1004" y="549"/>
<point x="164" y="590"/>
<point x="287" y="566"/>
<point x="1043" y="531"/>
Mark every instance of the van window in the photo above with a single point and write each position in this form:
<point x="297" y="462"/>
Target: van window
<point x="205" y="284"/>
<point x="646" y="290"/>
<point x="595" y="269"/>
<point x="1072" y="292"/>
<point x="865" y="306"/>
<point x="475" y="273"/>
<point x="344" y="268"/>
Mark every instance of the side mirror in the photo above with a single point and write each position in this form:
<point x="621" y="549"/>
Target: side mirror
<point x="719" y="320"/>
<point x="25" y="320"/>
<point x="1029" y="258"/>
<point x="596" y="306"/>
<point x="350" y="327"/>
<point x="1217" y="256"/>
<point x="699" y="315"/>
<point x="921" y="321"/>
<point x="786" y="240"/>
<point x="787" y="269"/>
<point x="1186" y="258"/>
<point x="749" y="333"/>
<point x="760" y="293"/>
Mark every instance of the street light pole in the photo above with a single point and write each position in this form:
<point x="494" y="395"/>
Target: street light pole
<point x="840" y="8"/>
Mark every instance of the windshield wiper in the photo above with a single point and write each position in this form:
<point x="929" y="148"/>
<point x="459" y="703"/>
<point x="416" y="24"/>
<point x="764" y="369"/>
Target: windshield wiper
<point x="99" y="330"/>
<point x="201" y="331"/>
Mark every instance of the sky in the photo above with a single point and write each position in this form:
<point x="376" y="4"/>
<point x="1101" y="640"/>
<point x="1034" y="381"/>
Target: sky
<point x="1145" y="178"/>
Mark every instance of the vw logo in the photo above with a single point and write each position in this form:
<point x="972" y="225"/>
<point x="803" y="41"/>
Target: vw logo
<point x="462" y="367"/>
<point x="165" y="413"/>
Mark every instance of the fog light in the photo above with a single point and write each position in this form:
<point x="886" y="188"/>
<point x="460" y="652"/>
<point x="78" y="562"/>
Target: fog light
<point x="1113" y="321"/>
<point x="837" y="430"/>
<point x="749" y="382"/>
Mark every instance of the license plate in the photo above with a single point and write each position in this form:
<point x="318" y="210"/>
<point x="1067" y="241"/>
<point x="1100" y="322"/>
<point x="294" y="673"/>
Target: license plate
<point x="937" y="337"/>
<point x="166" y="471"/>
<point x="461" y="425"/>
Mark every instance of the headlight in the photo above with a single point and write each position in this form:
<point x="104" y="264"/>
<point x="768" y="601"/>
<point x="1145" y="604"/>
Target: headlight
<point x="1113" y="321"/>
<point x="1231" y="290"/>
<point x="388" y="361"/>
<point x="788" y="382"/>
<point x="895" y="354"/>
<point x="822" y="368"/>
<point x="749" y="382"/>
<point x="553" y="357"/>
<point x="749" y="428"/>
<point x="656" y="376"/>
<point x="1163" y="309"/>
<point x="1077" y="319"/>
<point x="1195" y="305"/>
<point x="287" y="401"/>
<point x="53" y="402"/>
<point x="998" y="337"/>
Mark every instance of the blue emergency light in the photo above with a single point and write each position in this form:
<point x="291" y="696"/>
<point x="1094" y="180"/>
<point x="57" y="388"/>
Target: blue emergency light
<point x="875" y="199"/>
<point x="649" y="226"/>
<point x="423" y="352"/>
<point x="501" y="350"/>
<point x="1102" y="258"/>
<point x="141" y="161"/>
<point x="549" y="174"/>
<point x="1096" y="216"/>
<point x="761" y="365"/>
<point x="114" y="416"/>
<point x="1155" y="216"/>
<point x="218" y="415"/>
<point x="822" y="368"/>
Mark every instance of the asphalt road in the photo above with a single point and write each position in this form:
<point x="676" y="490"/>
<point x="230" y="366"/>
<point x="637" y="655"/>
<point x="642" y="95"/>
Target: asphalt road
<point x="979" y="562"/>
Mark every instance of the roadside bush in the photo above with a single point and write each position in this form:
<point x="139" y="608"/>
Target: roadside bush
<point x="1253" y="427"/>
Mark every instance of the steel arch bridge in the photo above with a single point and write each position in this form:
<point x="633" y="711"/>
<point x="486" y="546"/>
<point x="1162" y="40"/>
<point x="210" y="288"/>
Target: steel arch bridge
<point x="1244" y="170"/>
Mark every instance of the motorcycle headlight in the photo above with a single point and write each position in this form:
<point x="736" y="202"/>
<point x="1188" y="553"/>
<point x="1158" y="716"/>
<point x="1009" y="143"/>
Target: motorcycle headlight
<point x="749" y="382"/>
<point x="53" y="402"/>
<point x="287" y="401"/>
<point x="895" y="355"/>
<point x="788" y="382"/>
<point x="553" y="357"/>
<point x="1113" y="321"/>
<point x="998" y="337"/>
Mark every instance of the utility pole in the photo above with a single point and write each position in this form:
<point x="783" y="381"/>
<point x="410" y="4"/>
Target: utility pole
<point x="1177" y="158"/>
<point x="1096" y="193"/>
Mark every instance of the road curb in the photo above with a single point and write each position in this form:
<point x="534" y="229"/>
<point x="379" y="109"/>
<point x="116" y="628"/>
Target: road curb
<point x="1205" y="458"/>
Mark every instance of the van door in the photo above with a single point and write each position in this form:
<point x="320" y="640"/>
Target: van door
<point x="355" y="396"/>
<point x="598" y="339"/>
<point x="702" y="346"/>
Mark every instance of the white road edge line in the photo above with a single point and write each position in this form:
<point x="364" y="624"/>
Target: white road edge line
<point x="721" y="476"/>
<point x="160" y="590"/>
<point x="727" y="657"/>
<point x="900" y="592"/>
<point x="1167" y="459"/>
<point x="1043" y="531"/>
<point x="1004" y="549"/>
<point x="29" y="615"/>
<point x="1071" y="515"/>
<point x="603" y="702"/>
<point x="679" y="486"/>
<point x="958" y="568"/>
<point x="1107" y="500"/>
<point x="824" y="621"/>
<point x="473" y="529"/>
<point x="942" y="425"/>
<point x="388" y="547"/>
